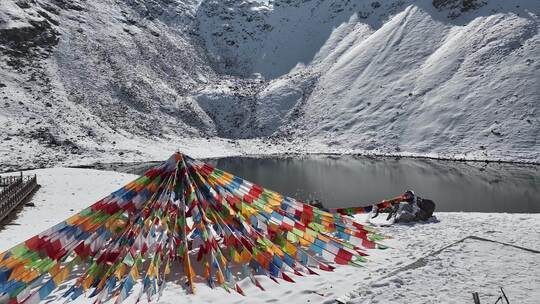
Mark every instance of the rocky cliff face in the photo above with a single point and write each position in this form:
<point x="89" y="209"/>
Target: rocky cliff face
<point x="83" y="79"/>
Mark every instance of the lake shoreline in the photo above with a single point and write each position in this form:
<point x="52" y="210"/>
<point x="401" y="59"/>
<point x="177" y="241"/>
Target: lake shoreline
<point x="329" y="154"/>
<point x="98" y="164"/>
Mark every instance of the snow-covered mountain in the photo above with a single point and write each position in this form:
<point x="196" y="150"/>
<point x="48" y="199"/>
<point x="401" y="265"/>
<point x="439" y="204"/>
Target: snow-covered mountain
<point x="83" y="80"/>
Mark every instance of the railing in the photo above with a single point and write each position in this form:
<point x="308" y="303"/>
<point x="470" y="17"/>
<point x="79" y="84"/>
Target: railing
<point x="15" y="190"/>
<point x="8" y="180"/>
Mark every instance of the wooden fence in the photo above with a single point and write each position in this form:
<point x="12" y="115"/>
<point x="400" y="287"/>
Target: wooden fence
<point x="15" y="190"/>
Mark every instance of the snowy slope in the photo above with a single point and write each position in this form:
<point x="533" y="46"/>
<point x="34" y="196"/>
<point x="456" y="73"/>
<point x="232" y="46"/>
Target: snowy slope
<point x="82" y="81"/>
<point x="97" y="79"/>
<point x="425" y="84"/>
<point x="439" y="78"/>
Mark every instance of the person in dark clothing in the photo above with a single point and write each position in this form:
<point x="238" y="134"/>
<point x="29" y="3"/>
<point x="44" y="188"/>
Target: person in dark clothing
<point x="413" y="208"/>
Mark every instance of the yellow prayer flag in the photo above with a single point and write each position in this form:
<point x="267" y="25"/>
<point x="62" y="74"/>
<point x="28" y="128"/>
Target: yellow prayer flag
<point x="219" y="277"/>
<point x="167" y="268"/>
<point x="87" y="282"/>
<point x="135" y="272"/>
<point x="236" y="257"/>
<point x="61" y="276"/>
<point x="290" y="248"/>
<point x="246" y="256"/>
<point x="119" y="273"/>
<point x="53" y="271"/>
<point x="206" y="273"/>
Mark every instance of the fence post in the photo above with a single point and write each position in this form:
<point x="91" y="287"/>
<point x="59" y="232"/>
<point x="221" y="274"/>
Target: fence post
<point x="476" y="298"/>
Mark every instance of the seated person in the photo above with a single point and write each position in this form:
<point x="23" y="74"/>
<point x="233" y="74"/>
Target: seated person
<point x="414" y="209"/>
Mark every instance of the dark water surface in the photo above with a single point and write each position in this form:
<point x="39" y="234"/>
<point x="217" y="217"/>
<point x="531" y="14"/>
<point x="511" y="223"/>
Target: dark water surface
<point x="345" y="181"/>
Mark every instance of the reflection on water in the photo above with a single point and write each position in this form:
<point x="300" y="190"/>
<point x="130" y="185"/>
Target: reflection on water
<point x="348" y="181"/>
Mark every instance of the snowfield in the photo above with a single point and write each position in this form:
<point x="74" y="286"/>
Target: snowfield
<point x="430" y="262"/>
<point x="85" y="81"/>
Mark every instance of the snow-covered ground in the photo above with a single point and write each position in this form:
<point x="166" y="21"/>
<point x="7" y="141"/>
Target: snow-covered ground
<point x="84" y="81"/>
<point x="427" y="263"/>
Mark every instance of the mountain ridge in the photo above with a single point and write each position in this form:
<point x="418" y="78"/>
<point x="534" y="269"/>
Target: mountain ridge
<point x="443" y="78"/>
